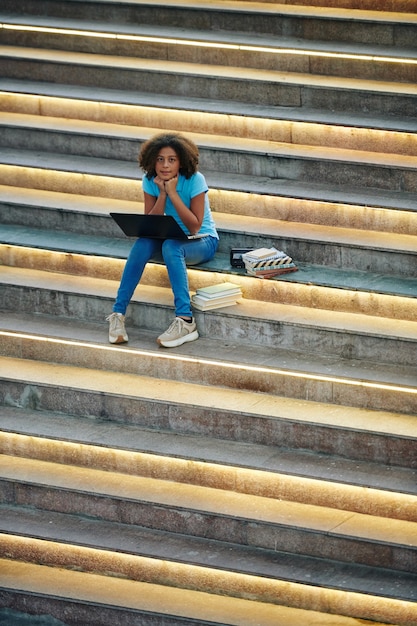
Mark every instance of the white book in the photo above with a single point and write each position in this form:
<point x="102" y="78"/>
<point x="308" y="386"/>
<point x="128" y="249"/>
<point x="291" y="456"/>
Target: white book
<point x="209" y="305"/>
<point x="263" y="254"/>
<point x="222" y="289"/>
<point x="229" y="298"/>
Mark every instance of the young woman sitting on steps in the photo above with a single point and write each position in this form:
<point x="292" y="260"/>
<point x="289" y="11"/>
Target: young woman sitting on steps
<point x="172" y="185"/>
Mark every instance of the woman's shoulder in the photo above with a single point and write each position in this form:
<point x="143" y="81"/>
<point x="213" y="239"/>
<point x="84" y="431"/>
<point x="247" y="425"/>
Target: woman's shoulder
<point x="199" y="176"/>
<point x="197" y="180"/>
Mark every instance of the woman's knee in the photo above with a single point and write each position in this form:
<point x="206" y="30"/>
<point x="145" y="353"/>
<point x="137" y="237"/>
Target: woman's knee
<point x="143" y="250"/>
<point x="172" y="249"/>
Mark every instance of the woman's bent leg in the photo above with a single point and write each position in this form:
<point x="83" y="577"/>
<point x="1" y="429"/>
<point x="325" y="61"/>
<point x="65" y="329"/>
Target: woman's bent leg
<point x="142" y="251"/>
<point x="177" y="255"/>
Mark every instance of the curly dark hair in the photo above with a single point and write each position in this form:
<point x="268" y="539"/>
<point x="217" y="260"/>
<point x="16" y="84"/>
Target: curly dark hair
<point x="186" y="150"/>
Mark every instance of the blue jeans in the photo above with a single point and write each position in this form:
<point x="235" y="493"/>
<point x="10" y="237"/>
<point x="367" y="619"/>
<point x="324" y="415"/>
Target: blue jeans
<point x="176" y="254"/>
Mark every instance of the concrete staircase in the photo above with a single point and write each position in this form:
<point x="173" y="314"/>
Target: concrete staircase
<point x="265" y="474"/>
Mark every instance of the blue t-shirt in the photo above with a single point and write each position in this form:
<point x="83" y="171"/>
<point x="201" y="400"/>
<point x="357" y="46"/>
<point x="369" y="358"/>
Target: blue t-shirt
<point x="187" y="188"/>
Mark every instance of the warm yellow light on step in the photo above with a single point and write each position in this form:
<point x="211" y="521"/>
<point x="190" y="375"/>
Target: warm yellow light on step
<point x="211" y="475"/>
<point x="186" y="576"/>
<point x="61" y="180"/>
<point x="220" y="365"/>
<point x="206" y="44"/>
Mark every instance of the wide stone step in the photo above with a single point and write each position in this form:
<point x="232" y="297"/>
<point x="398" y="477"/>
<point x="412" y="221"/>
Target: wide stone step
<point x="89" y="214"/>
<point x="378" y="136"/>
<point x="349" y="250"/>
<point x="222" y="515"/>
<point x="244" y="156"/>
<point x="91" y="596"/>
<point x="267" y="420"/>
<point x="21" y="206"/>
<point x="180" y="551"/>
<point x="191" y="46"/>
<point x="111" y="178"/>
<point x="315" y="287"/>
<point x="264" y="122"/>
<point x="266" y="87"/>
<point x="303" y="21"/>
<point x="206" y="512"/>
<point x="294" y="475"/>
<point x="297" y="329"/>
<point x="221" y="357"/>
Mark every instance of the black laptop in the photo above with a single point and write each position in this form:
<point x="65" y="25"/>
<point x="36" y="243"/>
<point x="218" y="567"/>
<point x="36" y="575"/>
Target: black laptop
<point x="153" y="226"/>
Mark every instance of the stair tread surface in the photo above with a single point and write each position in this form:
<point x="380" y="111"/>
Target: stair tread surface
<point x="236" y="144"/>
<point x="220" y="71"/>
<point x="262" y="404"/>
<point x="242" y="225"/>
<point x="225" y="37"/>
<point x="206" y="500"/>
<point x="307" y="9"/>
<point x="122" y="538"/>
<point x="293" y="463"/>
<point x="166" y="601"/>
<point x="101" y="94"/>
<point x="128" y="170"/>
<point x="285" y="313"/>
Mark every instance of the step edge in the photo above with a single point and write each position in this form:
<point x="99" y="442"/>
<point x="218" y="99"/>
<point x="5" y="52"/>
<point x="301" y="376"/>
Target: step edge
<point x="253" y="147"/>
<point x="214" y="474"/>
<point x="290" y="79"/>
<point x="318" y="520"/>
<point x="235" y="612"/>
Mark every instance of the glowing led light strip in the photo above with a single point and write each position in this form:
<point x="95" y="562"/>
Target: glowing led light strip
<point x="212" y="362"/>
<point x="207" y="44"/>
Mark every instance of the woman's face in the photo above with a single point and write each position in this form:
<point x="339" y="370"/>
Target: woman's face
<point x="167" y="164"/>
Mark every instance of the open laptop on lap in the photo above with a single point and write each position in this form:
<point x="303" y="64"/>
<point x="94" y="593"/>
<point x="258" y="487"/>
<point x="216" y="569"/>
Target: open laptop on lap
<point x="153" y="226"/>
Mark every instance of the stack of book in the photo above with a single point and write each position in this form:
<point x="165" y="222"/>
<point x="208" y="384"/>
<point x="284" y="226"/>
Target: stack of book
<point x="268" y="262"/>
<point x="216" y="296"/>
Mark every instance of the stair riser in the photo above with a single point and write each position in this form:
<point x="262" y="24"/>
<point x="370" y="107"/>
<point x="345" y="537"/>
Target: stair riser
<point x="79" y="452"/>
<point x="404" y="6"/>
<point x="213" y="87"/>
<point x="63" y="181"/>
<point x="205" y="421"/>
<point x="75" y="612"/>
<point x="284" y="334"/>
<point x="311" y="168"/>
<point x="272" y="165"/>
<point x="211" y="525"/>
<point x="269" y="381"/>
<point x="310" y="27"/>
<point x="284" y="129"/>
<point x="59" y="219"/>
<point x="345" y="256"/>
<point x="222" y="200"/>
<point x="283" y="291"/>
<point x="281" y="61"/>
<point x="27" y="552"/>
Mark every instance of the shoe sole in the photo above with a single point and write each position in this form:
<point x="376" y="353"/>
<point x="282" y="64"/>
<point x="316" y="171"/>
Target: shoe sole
<point x="120" y="339"/>
<point x="178" y="342"/>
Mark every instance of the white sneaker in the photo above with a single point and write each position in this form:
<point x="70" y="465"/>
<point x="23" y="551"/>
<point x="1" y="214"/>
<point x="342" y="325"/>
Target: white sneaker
<point x="178" y="333"/>
<point x="117" y="330"/>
